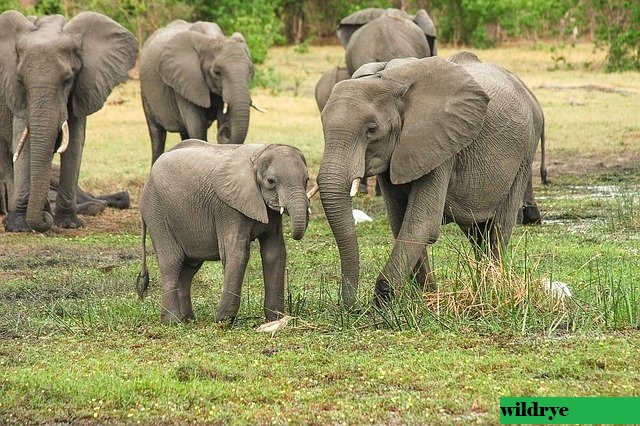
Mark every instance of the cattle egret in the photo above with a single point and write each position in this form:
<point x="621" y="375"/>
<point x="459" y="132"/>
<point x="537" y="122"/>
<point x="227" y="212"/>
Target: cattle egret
<point x="273" y="326"/>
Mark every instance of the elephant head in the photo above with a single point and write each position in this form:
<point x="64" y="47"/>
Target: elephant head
<point x="53" y="71"/>
<point x="201" y="63"/>
<point x="403" y="118"/>
<point x="277" y="180"/>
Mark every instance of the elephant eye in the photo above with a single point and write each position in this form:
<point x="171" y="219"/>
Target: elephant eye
<point x="371" y="129"/>
<point x="271" y="182"/>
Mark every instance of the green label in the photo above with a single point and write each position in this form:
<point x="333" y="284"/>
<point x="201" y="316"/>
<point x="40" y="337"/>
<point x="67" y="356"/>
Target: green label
<point x="565" y="410"/>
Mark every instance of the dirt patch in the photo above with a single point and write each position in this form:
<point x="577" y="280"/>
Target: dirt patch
<point x="595" y="165"/>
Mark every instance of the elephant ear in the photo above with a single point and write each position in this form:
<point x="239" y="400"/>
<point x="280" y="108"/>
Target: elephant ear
<point x="351" y="23"/>
<point x="444" y="109"/>
<point x="12" y="25"/>
<point x="180" y="67"/>
<point x="234" y="182"/>
<point x="108" y="53"/>
<point x="423" y="20"/>
<point x="369" y="69"/>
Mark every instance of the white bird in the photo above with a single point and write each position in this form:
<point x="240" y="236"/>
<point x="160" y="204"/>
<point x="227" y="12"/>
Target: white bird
<point x="360" y="216"/>
<point x="556" y="288"/>
<point x="273" y="326"/>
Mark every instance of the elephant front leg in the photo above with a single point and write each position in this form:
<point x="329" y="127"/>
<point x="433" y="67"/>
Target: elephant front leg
<point x="414" y="229"/>
<point x="234" y="261"/>
<point x="66" y="214"/>
<point x="274" y="257"/>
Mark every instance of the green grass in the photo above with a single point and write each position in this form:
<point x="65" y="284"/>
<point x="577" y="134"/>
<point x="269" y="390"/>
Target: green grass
<point x="77" y="346"/>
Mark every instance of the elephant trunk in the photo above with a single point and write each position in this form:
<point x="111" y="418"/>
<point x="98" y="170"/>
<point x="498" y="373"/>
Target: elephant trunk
<point x="43" y="133"/>
<point x="336" y="201"/>
<point x="299" y="214"/>
<point x="239" y="103"/>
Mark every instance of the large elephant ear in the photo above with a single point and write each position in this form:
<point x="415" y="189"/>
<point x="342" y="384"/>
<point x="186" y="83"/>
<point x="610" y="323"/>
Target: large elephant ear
<point x="12" y="25"/>
<point x="234" y="182"/>
<point x="351" y="23"/>
<point x="180" y="67"/>
<point x="423" y="20"/>
<point x="108" y="53"/>
<point x="444" y="109"/>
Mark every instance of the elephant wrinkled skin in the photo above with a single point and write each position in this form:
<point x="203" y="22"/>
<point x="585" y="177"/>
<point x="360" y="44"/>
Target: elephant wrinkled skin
<point x="208" y="202"/>
<point x="449" y="140"/>
<point x="53" y="74"/>
<point x="192" y="75"/>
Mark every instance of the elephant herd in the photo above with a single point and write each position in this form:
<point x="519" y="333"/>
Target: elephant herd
<point x="449" y="140"/>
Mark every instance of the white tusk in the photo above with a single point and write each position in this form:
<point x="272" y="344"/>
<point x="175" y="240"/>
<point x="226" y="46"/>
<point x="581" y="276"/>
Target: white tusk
<point x="23" y="138"/>
<point x="309" y="210"/>
<point x="65" y="138"/>
<point x="355" y="185"/>
<point x="313" y="191"/>
<point x="225" y="108"/>
<point x="257" y="108"/>
<point x="281" y="210"/>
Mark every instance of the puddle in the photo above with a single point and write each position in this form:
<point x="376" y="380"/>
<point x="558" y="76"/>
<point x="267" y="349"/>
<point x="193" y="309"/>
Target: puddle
<point x="595" y="191"/>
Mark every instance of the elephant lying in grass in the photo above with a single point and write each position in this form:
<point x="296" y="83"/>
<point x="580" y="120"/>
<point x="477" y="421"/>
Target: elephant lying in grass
<point x="449" y="140"/>
<point x="208" y="202"/>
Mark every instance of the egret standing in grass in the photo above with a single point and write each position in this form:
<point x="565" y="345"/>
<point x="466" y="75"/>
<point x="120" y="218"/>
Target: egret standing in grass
<point x="273" y="326"/>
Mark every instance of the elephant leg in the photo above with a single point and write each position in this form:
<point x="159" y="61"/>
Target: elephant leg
<point x="234" y="259"/>
<point x="194" y="119"/>
<point x="157" y="133"/>
<point x="274" y="257"/>
<point x="66" y="210"/>
<point x="530" y="212"/>
<point x="117" y="200"/>
<point x="185" y="278"/>
<point x="484" y="239"/>
<point x="16" y="220"/>
<point x="414" y="229"/>
<point x="4" y="203"/>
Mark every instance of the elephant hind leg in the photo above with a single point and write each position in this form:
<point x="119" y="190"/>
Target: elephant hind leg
<point x="484" y="239"/>
<point x="185" y="278"/>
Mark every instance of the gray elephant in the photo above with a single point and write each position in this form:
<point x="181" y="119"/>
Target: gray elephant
<point x="374" y="35"/>
<point x="449" y="140"/>
<point x="54" y="73"/>
<point x="208" y="202"/>
<point x="191" y="75"/>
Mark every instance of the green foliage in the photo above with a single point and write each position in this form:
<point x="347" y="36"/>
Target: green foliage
<point x="256" y="20"/>
<point x="619" y="29"/>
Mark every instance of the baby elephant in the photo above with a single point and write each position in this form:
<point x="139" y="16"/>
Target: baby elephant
<point x="208" y="202"/>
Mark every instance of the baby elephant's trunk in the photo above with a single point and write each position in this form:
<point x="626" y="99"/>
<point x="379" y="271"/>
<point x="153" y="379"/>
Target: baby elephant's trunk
<point x="142" y="282"/>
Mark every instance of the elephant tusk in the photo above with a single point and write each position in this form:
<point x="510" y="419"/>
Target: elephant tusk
<point x="309" y="210"/>
<point x="65" y="138"/>
<point x="23" y="138"/>
<point x="258" y="108"/>
<point x="354" y="187"/>
<point x="313" y="191"/>
<point x="281" y="210"/>
<point x="225" y="108"/>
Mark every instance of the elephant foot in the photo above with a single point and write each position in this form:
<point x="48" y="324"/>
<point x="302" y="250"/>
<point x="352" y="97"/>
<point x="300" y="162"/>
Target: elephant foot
<point x="168" y="318"/>
<point x="16" y="222"/>
<point x="531" y="215"/>
<point x="383" y="293"/>
<point x="118" y="200"/>
<point x="92" y="208"/>
<point x="68" y="221"/>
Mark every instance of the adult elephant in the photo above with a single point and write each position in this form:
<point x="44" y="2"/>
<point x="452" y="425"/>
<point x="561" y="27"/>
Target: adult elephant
<point x="375" y="35"/>
<point x="54" y="73"/>
<point x="191" y="75"/>
<point x="448" y="139"/>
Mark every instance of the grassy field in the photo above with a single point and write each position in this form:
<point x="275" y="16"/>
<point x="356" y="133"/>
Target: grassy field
<point x="77" y="346"/>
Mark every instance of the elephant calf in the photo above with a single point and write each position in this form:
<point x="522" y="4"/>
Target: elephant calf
<point x="208" y="202"/>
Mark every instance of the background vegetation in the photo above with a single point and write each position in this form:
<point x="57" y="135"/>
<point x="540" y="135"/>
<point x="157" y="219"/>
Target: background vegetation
<point x="613" y="24"/>
<point x="76" y="346"/>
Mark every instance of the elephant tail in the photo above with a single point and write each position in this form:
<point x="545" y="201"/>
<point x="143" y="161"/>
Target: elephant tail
<point x="142" y="282"/>
<point x="543" y="167"/>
